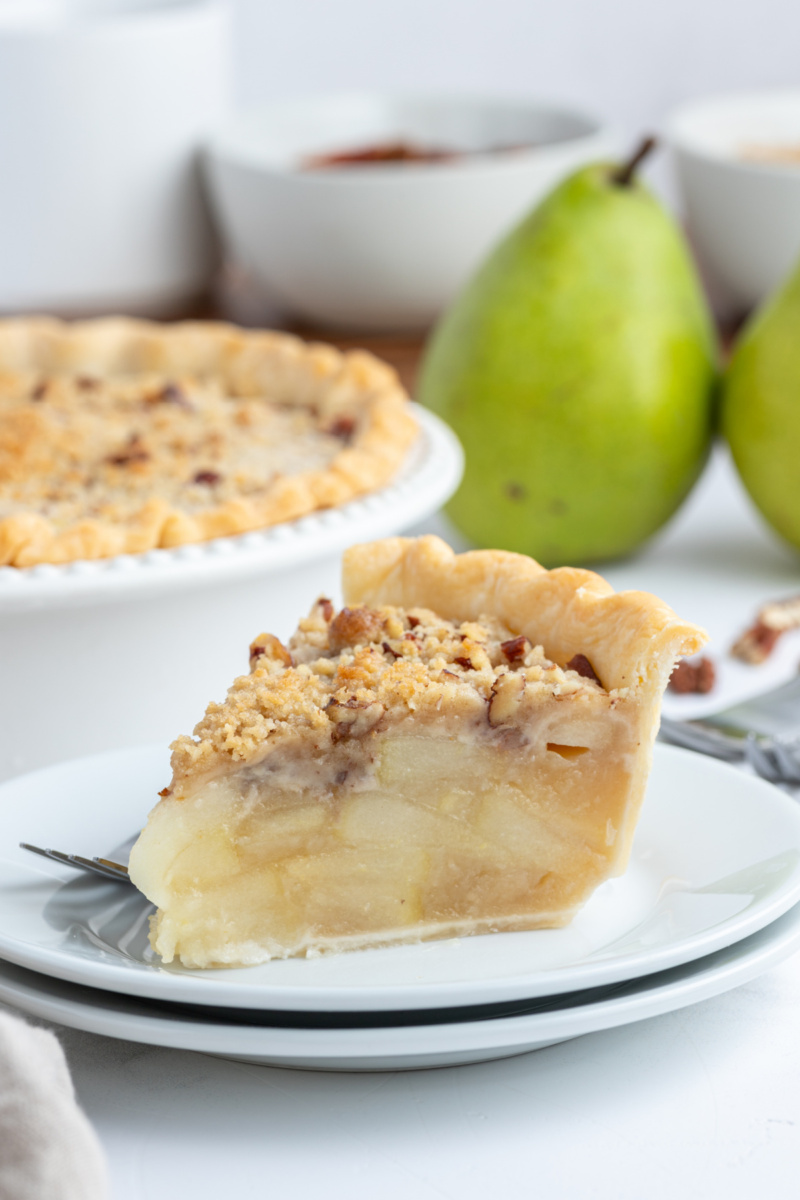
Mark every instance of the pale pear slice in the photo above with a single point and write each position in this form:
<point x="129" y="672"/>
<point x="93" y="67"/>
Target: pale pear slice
<point x="437" y="759"/>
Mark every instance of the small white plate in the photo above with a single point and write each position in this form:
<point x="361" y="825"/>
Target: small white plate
<point x="716" y="858"/>
<point x="396" y="1048"/>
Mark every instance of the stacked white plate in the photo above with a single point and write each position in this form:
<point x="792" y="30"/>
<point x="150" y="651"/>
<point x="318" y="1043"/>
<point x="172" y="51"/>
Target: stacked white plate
<point x="709" y="901"/>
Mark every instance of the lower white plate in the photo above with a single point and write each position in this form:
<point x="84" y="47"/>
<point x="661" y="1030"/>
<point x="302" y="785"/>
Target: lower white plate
<point x="716" y="858"/>
<point x="444" y="1044"/>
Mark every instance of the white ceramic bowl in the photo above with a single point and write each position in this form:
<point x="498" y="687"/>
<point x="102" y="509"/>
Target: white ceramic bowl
<point x="743" y="216"/>
<point x="103" y="108"/>
<point x="127" y="650"/>
<point x="384" y="247"/>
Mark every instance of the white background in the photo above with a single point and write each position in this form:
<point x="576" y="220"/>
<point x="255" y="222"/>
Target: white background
<point x="629" y="60"/>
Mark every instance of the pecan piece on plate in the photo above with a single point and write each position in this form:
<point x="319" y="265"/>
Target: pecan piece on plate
<point x="693" y="678"/>
<point x="757" y="643"/>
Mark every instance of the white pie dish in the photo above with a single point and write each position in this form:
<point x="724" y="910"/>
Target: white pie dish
<point x="384" y="247"/>
<point x="120" y="651"/>
<point x="743" y="216"/>
<point x="716" y="858"/>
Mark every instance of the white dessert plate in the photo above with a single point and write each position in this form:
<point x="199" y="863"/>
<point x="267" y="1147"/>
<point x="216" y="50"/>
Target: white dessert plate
<point x="428" y="477"/>
<point x="448" y="1042"/>
<point x="716" y="858"/>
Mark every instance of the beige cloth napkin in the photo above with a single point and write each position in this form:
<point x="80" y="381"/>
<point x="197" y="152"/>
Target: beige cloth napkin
<point x="48" y="1149"/>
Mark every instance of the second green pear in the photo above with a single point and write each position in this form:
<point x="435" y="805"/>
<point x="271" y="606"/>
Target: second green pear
<point x="578" y="367"/>
<point x="761" y="408"/>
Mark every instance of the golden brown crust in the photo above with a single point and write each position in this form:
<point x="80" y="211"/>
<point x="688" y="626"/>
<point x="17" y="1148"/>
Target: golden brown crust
<point x="632" y="639"/>
<point x="114" y="433"/>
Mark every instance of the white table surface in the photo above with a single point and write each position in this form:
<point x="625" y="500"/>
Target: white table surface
<point x="703" y="1102"/>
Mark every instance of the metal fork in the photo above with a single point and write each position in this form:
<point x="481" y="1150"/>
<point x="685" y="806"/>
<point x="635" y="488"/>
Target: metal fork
<point x="105" y="867"/>
<point x="773" y="759"/>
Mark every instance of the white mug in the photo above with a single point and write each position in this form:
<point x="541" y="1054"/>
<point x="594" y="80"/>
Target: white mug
<point x="103" y="107"/>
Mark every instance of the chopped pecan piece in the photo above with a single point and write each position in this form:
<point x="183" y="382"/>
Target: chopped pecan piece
<point x="133" y="453"/>
<point x="209" y="478"/>
<point x="353" y="718"/>
<point x="505" y="698"/>
<point x="353" y="627"/>
<point x="387" y="649"/>
<point x="343" y="427"/>
<point x="515" y="649"/>
<point x="465" y="662"/>
<point x="270" y="649"/>
<point x="40" y="391"/>
<point x="693" y="677"/>
<point x="326" y="608"/>
<point x="171" y="393"/>
<point x="413" y="621"/>
<point x="757" y="643"/>
<point x="580" y="664"/>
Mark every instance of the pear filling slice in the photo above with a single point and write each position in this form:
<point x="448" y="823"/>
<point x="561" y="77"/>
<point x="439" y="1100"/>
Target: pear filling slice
<point x="438" y="837"/>
<point x="394" y="774"/>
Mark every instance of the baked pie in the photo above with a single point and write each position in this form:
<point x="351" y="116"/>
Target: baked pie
<point x="119" y="436"/>
<point x="463" y="748"/>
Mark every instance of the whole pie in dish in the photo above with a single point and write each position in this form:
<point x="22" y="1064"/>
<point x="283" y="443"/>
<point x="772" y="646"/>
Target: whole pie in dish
<point x="463" y="748"/>
<point x="119" y="436"/>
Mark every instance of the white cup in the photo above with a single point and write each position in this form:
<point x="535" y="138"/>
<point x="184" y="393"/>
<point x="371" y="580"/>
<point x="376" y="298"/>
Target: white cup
<point x="103" y="107"/>
<point x="743" y="214"/>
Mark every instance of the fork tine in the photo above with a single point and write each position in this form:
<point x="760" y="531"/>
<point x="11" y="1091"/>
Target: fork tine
<point x="702" y="739"/>
<point x="51" y="854"/>
<point x="105" y="868"/>
<point x="114" y="871"/>
<point x="116" y="867"/>
<point x="761" y="760"/>
<point x="786" y="759"/>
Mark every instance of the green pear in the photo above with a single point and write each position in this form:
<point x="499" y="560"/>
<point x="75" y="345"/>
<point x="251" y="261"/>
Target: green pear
<point x="578" y="367"/>
<point x="761" y="408"/>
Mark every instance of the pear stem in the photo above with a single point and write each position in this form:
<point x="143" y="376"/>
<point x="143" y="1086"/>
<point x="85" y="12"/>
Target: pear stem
<point x="623" y="176"/>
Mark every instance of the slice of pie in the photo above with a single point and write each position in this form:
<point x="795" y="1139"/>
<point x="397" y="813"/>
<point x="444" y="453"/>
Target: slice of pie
<point x="119" y="436"/>
<point x="464" y="748"/>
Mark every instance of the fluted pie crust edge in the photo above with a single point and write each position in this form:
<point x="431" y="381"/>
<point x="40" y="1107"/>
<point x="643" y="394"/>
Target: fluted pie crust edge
<point x="352" y="385"/>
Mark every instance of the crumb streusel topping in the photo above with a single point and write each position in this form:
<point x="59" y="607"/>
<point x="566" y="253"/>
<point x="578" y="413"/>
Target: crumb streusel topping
<point x="120" y="436"/>
<point x="346" y="675"/>
<point x="106" y="446"/>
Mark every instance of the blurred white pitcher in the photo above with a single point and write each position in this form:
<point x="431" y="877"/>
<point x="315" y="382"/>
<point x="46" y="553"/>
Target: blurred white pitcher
<point x="103" y="105"/>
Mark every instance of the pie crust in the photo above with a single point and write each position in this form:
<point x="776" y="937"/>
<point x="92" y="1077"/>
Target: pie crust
<point x="118" y="436"/>
<point x="464" y="748"/>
